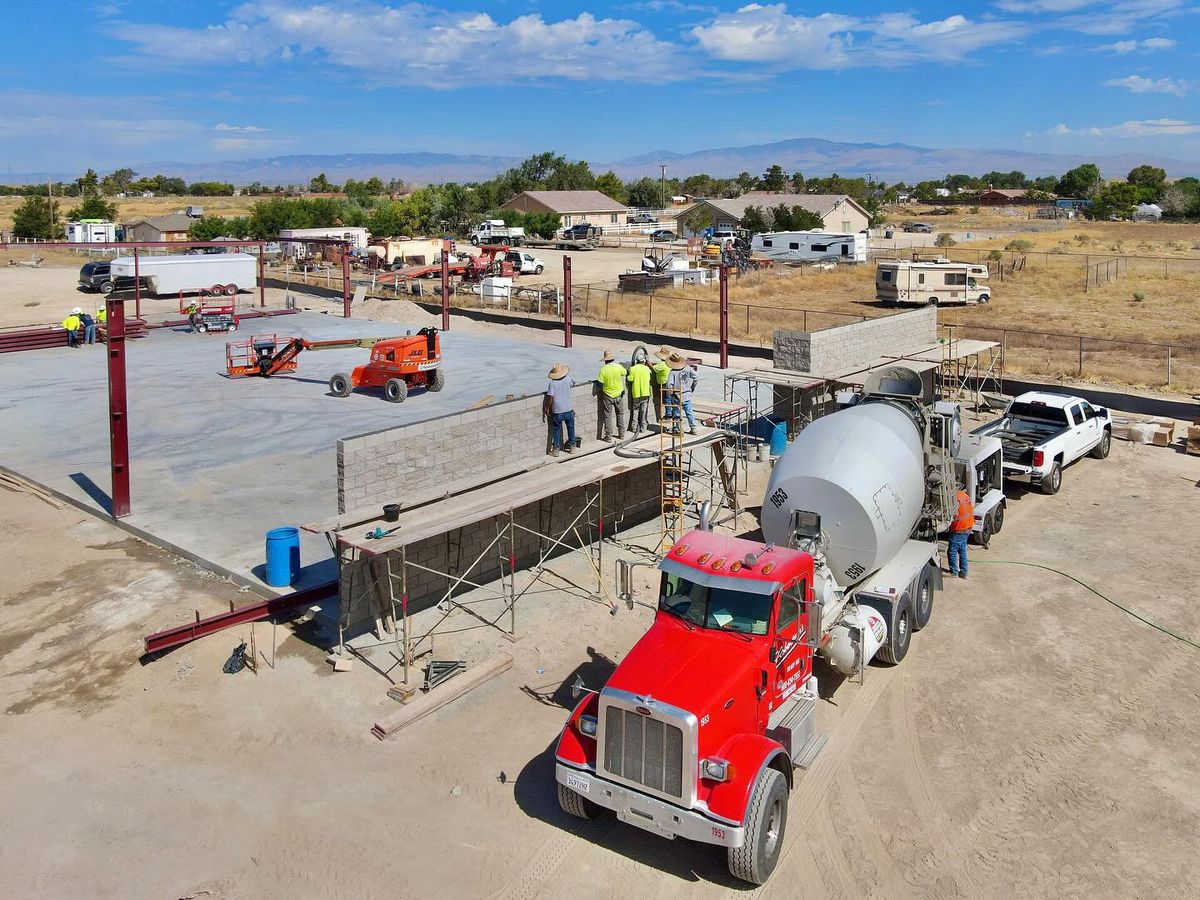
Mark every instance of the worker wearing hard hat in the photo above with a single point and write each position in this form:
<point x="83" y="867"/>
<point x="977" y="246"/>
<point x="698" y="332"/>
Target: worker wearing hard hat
<point x="102" y="313"/>
<point x="640" y="377"/>
<point x="680" y="385"/>
<point x="558" y="410"/>
<point x="72" y="323"/>
<point x="960" y="533"/>
<point x="89" y="328"/>
<point x="612" y="394"/>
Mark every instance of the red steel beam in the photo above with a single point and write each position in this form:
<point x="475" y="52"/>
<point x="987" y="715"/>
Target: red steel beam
<point x="252" y="612"/>
<point x="566" y="301"/>
<point x="724" y="312"/>
<point x="346" y="282"/>
<point x="118" y="406"/>
<point x="445" y="285"/>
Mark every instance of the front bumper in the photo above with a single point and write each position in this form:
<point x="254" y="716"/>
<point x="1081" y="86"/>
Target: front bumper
<point x="650" y="814"/>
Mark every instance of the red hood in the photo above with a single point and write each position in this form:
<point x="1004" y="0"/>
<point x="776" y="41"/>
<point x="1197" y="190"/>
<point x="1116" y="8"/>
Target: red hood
<point x="695" y="670"/>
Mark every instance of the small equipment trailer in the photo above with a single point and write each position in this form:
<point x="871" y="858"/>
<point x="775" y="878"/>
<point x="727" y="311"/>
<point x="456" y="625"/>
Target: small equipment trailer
<point x="396" y="364"/>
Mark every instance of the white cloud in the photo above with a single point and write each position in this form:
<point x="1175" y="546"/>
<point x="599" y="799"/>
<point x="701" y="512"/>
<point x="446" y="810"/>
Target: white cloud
<point x="1043" y="6"/>
<point x="1139" y="85"/>
<point x="1123" y="16"/>
<point x="831" y="41"/>
<point x="415" y="44"/>
<point x="1147" y="46"/>
<point x="245" y="129"/>
<point x="1144" y="128"/>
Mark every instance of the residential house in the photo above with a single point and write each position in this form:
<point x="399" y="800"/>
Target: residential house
<point x="572" y="207"/>
<point x="839" y="213"/>
<point x="1007" y="197"/>
<point x="160" y="228"/>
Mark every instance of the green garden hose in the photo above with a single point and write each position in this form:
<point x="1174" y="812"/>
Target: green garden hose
<point x="1124" y="609"/>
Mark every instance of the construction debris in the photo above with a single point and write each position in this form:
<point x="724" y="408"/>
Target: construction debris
<point x="19" y="485"/>
<point x="423" y="706"/>
<point x="439" y="671"/>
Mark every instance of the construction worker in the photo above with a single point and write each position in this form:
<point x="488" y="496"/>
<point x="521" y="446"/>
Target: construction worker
<point x="960" y="532"/>
<point x="683" y="379"/>
<point x="640" y="377"/>
<point x="661" y="373"/>
<point x="89" y="328"/>
<point x="73" y="324"/>
<point x="102" y="313"/>
<point x="612" y="387"/>
<point x="558" y="410"/>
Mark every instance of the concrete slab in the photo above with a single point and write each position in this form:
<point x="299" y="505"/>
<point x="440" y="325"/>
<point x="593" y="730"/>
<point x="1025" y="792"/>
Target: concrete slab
<point x="216" y="462"/>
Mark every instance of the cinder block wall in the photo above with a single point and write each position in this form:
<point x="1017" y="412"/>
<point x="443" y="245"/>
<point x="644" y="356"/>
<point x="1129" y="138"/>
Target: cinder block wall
<point x="629" y="499"/>
<point x="845" y="347"/>
<point x="382" y="466"/>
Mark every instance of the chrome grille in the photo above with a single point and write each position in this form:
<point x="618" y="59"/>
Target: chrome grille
<point x="643" y="750"/>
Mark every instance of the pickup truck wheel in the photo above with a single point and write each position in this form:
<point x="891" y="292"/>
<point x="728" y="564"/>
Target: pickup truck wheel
<point x="998" y="519"/>
<point x="1053" y="480"/>
<point x="923" y="610"/>
<point x="339" y="385"/>
<point x="576" y="805"/>
<point x="395" y="391"/>
<point x="538" y="270"/>
<point x="766" y="823"/>
<point x="900" y="637"/>
<point x="1100" y="451"/>
<point x="437" y="380"/>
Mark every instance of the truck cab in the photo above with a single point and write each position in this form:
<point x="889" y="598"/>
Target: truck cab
<point x="697" y="732"/>
<point x="979" y="466"/>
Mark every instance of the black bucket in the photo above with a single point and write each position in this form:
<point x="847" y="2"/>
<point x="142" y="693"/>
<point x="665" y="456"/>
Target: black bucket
<point x="391" y="512"/>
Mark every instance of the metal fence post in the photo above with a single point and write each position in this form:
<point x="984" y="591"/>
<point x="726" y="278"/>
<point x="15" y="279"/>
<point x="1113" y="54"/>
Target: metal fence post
<point x="1168" y="365"/>
<point x="1081" y="355"/>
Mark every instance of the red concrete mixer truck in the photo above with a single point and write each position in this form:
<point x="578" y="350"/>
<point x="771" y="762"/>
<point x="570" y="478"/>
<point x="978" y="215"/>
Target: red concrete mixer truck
<point x="701" y="729"/>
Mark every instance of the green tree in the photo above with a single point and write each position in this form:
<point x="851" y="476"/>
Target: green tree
<point x="696" y="219"/>
<point x="210" y="189"/>
<point x="321" y="185"/>
<point x="755" y="221"/>
<point x="93" y="207"/>
<point x="117" y="182"/>
<point x="798" y="183"/>
<point x="1115" y="199"/>
<point x="774" y="180"/>
<point x="1079" y="183"/>
<point x="35" y="218"/>
<point x="611" y="186"/>
<point x="570" y="176"/>
<point x="208" y="228"/>
<point x="1150" y="180"/>
<point x="643" y="193"/>
<point x="796" y="218"/>
<point x="88" y="183"/>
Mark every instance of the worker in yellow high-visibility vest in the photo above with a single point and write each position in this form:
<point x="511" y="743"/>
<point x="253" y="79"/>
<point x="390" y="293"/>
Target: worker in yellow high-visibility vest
<point x="640" y="377"/>
<point x="102" y="313"/>
<point x="612" y="387"/>
<point x="661" y="373"/>
<point x="72" y="323"/>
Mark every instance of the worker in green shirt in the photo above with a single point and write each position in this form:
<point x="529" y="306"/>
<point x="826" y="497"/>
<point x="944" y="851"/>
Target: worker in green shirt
<point x="662" y="372"/>
<point x="640" y="377"/>
<point x="612" y="386"/>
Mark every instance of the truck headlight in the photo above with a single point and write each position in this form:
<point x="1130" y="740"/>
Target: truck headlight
<point x="715" y="769"/>
<point x="587" y="725"/>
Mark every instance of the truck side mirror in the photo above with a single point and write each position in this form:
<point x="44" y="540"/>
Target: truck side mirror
<point x="578" y="689"/>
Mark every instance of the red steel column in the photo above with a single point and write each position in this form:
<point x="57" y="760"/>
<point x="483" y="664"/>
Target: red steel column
<point x="724" y="317"/>
<point x="262" y="286"/>
<point x="346" y="281"/>
<point x="137" y="290"/>
<point x="445" y="285"/>
<point x="118" y="425"/>
<point x="566" y="301"/>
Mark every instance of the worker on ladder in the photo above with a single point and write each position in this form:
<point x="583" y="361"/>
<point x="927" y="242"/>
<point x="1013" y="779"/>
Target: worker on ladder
<point x="960" y="533"/>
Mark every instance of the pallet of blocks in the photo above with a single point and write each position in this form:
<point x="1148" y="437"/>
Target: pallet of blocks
<point x="1155" y="430"/>
<point x="1191" y="440"/>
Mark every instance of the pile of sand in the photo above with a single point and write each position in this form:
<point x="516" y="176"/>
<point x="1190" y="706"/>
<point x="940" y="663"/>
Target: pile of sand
<point x="401" y="311"/>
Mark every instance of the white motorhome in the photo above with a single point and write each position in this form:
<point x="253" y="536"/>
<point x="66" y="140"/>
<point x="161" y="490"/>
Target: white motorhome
<point x="189" y="274"/>
<point x="294" y="240"/>
<point x="91" y="231"/>
<point x="936" y="282"/>
<point x="810" y="246"/>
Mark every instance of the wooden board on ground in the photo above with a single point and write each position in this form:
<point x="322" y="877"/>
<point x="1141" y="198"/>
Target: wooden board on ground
<point x="439" y="697"/>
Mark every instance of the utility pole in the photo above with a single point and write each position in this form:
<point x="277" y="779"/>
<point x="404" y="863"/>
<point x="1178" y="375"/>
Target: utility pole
<point x="662" y="204"/>
<point x="50" y="207"/>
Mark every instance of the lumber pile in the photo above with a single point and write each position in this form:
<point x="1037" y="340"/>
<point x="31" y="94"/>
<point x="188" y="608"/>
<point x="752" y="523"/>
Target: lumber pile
<point x="448" y="692"/>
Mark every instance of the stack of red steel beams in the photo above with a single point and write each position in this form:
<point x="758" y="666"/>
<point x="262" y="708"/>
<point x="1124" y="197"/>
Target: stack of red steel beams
<point x="43" y="337"/>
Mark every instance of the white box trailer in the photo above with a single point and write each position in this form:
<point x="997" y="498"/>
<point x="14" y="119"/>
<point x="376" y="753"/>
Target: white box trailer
<point x="166" y="275"/>
<point x="810" y="246"/>
<point x="91" y="231"/>
<point x="936" y="282"/>
<point x="294" y="240"/>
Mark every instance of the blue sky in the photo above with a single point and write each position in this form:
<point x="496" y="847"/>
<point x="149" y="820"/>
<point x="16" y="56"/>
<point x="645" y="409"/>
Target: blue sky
<point x="106" y="83"/>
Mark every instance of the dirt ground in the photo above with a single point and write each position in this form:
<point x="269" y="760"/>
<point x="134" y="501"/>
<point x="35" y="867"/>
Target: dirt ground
<point x="1037" y="741"/>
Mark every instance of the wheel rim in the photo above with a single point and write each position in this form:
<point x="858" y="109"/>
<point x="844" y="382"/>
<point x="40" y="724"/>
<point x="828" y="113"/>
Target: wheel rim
<point x="774" y="823"/>
<point x="925" y="595"/>
<point x="1056" y="479"/>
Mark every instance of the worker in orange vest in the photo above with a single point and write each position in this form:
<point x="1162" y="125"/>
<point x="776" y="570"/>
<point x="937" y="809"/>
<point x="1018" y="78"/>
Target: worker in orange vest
<point x="960" y="531"/>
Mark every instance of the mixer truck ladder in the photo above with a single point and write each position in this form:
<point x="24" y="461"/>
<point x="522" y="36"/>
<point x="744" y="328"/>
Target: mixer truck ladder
<point x="672" y="473"/>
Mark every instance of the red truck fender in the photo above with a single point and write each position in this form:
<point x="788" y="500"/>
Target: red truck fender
<point x="574" y="747"/>
<point x="747" y="755"/>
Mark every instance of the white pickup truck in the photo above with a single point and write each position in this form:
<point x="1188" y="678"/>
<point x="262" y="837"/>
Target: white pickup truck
<point x="494" y="231"/>
<point x="1042" y="433"/>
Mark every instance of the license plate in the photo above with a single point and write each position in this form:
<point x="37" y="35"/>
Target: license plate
<point x="580" y="783"/>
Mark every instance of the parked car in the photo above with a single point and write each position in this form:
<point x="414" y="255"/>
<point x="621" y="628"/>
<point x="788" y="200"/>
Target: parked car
<point x="97" y="276"/>
<point x="525" y="263"/>
<point x="581" y="232"/>
<point x="663" y="234"/>
<point x="918" y="227"/>
<point x="642" y="218"/>
<point x="1044" y="432"/>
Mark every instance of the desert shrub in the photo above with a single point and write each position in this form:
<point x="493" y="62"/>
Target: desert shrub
<point x="1020" y="245"/>
<point x="945" y="239"/>
<point x="1138" y="296"/>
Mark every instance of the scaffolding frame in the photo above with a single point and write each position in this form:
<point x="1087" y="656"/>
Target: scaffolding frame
<point x="969" y="368"/>
<point x="806" y="396"/>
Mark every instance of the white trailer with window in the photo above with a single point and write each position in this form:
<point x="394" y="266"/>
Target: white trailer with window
<point x="810" y="246"/>
<point x="936" y="282"/>
<point x="294" y="241"/>
<point x="91" y="231"/>
<point x="188" y="274"/>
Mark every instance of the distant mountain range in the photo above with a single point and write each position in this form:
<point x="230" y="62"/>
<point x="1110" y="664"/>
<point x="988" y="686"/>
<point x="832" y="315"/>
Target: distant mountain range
<point x="812" y="156"/>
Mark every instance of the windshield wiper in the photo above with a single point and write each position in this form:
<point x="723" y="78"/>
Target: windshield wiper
<point x="680" y="616"/>
<point x="728" y="630"/>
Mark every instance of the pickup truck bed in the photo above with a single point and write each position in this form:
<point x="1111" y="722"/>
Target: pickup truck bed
<point x="1020" y="437"/>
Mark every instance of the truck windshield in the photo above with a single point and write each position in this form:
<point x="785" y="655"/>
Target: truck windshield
<point x="718" y="608"/>
<point x="1039" y="412"/>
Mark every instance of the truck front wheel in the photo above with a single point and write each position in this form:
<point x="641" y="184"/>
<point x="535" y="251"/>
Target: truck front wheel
<point x="766" y="822"/>
<point x="574" y="804"/>
<point x="1053" y="480"/>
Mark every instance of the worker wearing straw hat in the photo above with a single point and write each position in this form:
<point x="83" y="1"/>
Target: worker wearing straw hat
<point x="558" y="410"/>
<point x="683" y="378"/>
<point x="612" y="391"/>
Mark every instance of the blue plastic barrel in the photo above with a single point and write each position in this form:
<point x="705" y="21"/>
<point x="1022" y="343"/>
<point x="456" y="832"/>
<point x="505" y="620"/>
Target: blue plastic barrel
<point x="283" y="556"/>
<point x="779" y="439"/>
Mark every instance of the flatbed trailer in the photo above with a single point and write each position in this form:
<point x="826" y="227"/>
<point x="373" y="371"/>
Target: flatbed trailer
<point x="560" y="244"/>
